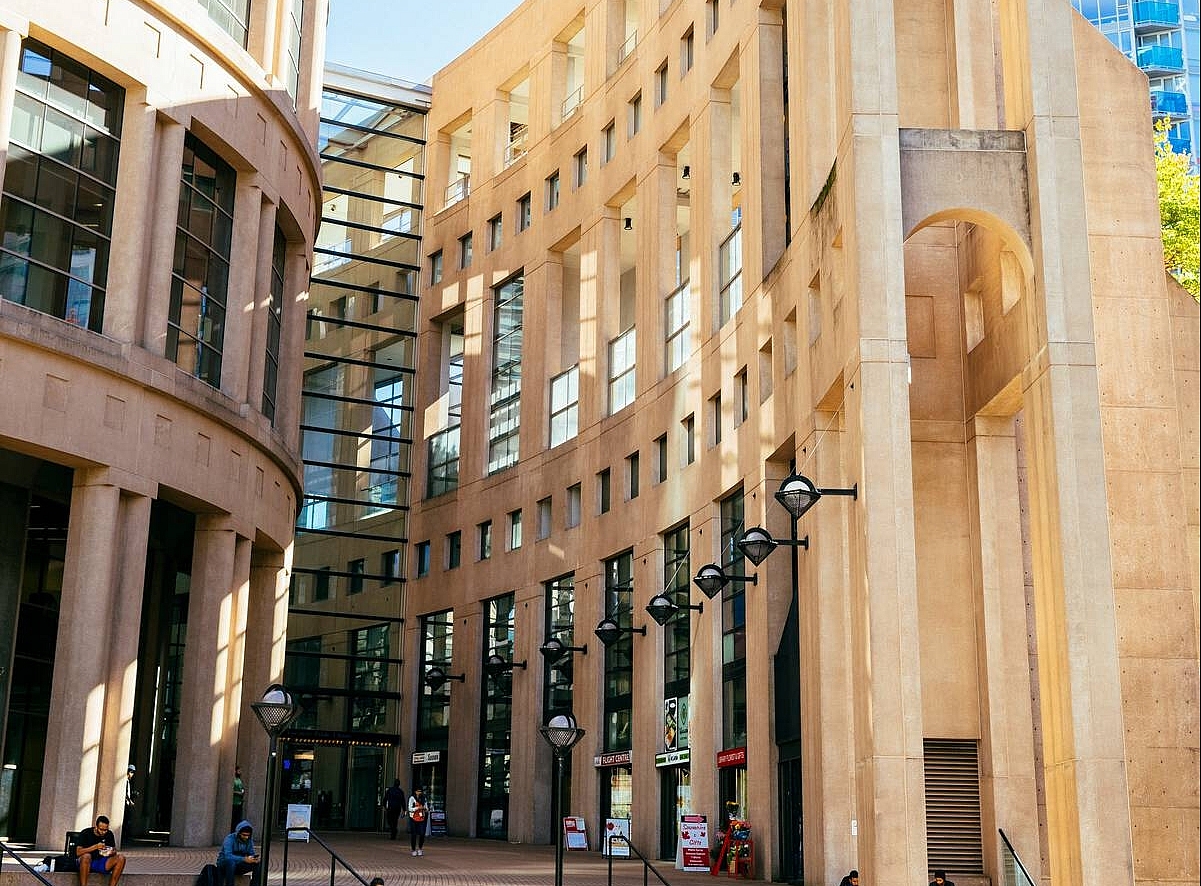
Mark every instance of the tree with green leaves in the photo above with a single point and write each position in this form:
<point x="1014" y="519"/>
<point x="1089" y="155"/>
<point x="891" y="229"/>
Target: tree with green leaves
<point x="1179" y="212"/>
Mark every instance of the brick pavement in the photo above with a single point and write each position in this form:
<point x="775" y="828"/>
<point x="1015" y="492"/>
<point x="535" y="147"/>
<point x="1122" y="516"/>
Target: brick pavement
<point x="448" y="861"/>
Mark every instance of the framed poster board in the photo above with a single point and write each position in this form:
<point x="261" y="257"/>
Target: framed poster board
<point x="619" y="828"/>
<point x="300" y="815"/>
<point x="574" y="834"/>
<point x="694" y="843"/>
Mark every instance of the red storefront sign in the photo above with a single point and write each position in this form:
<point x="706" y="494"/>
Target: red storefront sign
<point x="731" y="757"/>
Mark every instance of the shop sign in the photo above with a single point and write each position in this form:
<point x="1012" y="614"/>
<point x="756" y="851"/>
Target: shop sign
<point x="731" y="757"/>
<point x="673" y="758"/>
<point x="617" y="838"/>
<point x="575" y="835"/>
<point x="693" y="854"/>
<point x="616" y="758"/>
<point x="426" y="757"/>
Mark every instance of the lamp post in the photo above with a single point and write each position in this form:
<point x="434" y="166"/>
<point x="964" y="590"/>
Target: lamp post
<point x="275" y="710"/>
<point x="609" y="631"/>
<point x="562" y="734"/>
<point x="662" y="608"/>
<point x="436" y="677"/>
<point x="711" y="578"/>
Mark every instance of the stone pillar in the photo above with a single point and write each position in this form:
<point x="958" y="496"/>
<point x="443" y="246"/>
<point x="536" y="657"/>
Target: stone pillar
<point x="974" y="60"/>
<point x="95" y="669"/>
<point x="243" y="296"/>
<point x="762" y="124"/>
<point x="261" y="299"/>
<point x="169" y="139"/>
<point x="1008" y="790"/>
<point x="291" y="344"/>
<point x="10" y="59"/>
<point x="600" y="270"/>
<point x="262" y="37"/>
<point x="656" y="254"/>
<point x="205" y="707"/>
<point x="711" y="171"/>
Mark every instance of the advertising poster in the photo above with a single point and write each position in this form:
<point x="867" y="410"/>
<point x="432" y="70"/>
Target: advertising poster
<point x="619" y="828"/>
<point x="671" y="731"/>
<point x="437" y="824"/>
<point x="300" y="815"/>
<point x="574" y="835"/>
<point x="694" y="843"/>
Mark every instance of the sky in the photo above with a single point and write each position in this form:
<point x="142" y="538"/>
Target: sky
<point x="404" y="38"/>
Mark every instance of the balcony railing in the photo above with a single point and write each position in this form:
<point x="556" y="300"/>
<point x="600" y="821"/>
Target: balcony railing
<point x="1166" y="59"/>
<point x="628" y="47"/>
<point x="458" y="190"/>
<point x="1180" y="144"/>
<point x="516" y="148"/>
<point x="1155" y="15"/>
<point x="571" y="104"/>
<point x="1168" y="102"/>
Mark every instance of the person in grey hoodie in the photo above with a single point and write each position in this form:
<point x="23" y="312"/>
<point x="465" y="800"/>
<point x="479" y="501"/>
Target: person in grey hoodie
<point x="238" y="856"/>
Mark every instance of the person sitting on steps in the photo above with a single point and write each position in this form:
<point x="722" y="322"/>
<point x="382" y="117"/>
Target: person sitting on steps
<point x="96" y="851"/>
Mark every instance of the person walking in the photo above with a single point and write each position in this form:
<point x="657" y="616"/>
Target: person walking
<point x="128" y="824"/>
<point x="394" y="806"/>
<point x="418" y="810"/>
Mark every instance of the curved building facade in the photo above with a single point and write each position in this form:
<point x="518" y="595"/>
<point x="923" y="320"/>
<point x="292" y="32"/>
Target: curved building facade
<point x="160" y="197"/>
<point x="676" y="253"/>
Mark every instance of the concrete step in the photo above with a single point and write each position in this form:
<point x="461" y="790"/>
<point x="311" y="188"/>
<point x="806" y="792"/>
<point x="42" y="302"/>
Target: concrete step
<point x="21" y="877"/>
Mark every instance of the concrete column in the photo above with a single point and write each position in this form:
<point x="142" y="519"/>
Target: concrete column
<point x="313" y="22"/>
<point x="291" y="343"/>
<point x="762" y="123"/>
<point x="243" y="296"/>
<point x="10" y="59"/>
<point x="262" y="38"/>
<point x="204" y="706"/>
<point x="600" y="269"/>
<point x="1009" y="795"/>
<point x="261" y="299"/>
<point x="656" y="254"/>
<point x="128" y="295"/>
<point x="974" y="60"/>
<point x="168" y="153"/>
<point x="711" y="172"/>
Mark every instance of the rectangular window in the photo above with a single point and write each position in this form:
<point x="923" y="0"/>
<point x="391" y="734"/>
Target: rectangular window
<point x="678" y="342"/>
<point x="232" y="16"/>
<point x="442" y="462"/>
<point x="505" y="395"/>
<point x="496" y="232"/>
<point x="389" y="566"/>
<point x="712" y="17"/>
<point x="421" y="556"/>
<point x="661" y="459"/>
<point x="200" y="276"/>
<point x="741" y="397"/>
<point x="689" y="439"/>
<point x="560" y="626"/>
<point x="496" y="720"/>
<point x="715" y="420"/>
<point x="514" y="530"/>
<point x="524" y="207"/>
<point x="733" y="625"/>
<point x="622" y="357"/>
<point x="552" y="190"/>
<point x="677" y="658"/>
<point x="483" y="534"/>
<point x="687" y="51"/>
<point x="544" y="517"/>
<point x="580" y="167"/>
<point x="729" y="260"/>
<point x="321" y="584"/>
<point x="59" y="187"/>
<point x="357" y="569"/>
<point x="564" y="406"/>
<point x="436" y="267"/>
<point x="609" y="140"/>
<point x="465" y="251"/>
<point x="661" y="84"/>
<point x="634" y="112"/>
<point x="454" y="550"/>
<point x="604" y="492"/>
<point x="433" y="697"/>
<point x="275" y="313"/>
<point x="632" y="475"/>
<point x="573" y="505"/>
<point x="292" y="39"/>
<point x="619" y="655"/>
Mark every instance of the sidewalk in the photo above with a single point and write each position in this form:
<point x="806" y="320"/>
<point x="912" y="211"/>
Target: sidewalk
<point x="448" y="861"/>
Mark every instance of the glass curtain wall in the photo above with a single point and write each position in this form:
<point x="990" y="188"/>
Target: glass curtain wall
<point x="616" y="787"/>
<point x="507" y="340"/>
<point x="496" y="719"/>
<point x="733" y="660"/>
<point x="347" y="594"/>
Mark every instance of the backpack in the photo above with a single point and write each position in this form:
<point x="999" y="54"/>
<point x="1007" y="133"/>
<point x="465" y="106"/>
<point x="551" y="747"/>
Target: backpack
<point x="207" y="876"/>
<point x="418" y="814"/>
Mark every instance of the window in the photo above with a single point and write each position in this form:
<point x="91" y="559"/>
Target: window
<point x="433" y="704"/>
<point x="678" y="341"/>
<point x="552" y="190"/>
<point x="741" y="397"/>
<point x="200" y="276"/>
<point x="465" y="251"/>
<point x="609" y="140"/>
<point x="422" y="558"/>
<point x="505" y="418"/>
<point x="661" y="84"/>
<point x="436" y="267"/>
<point x="233" y="17"/>
<point x="677" y="659"/>
<point x="632" y="475"/>
<point x="524" y="205"/>
<point x="573" y="505"/>
<point x="604" y="497"/>
<point x="689" y="439"/>
<point x="442" y="463"/>
<point x="687" y="51"/>
<point x="635" y="114"/>
<point x="715" y="419"/>
<point x="712" y="17"/>
<point x="275" y="313"/>
<point x="544" y="516"/>
<point x="661" y="459"/>
<point x="729" y="259"/>
<point x="514" y="530"/>
<point x="619" y="657"/>
<point x="564" y="406"/>
<point x="580" y="167"/>
<point x="483" y="535"/>
<point x="321" y="584"/>
<point x="496" y="232"/>
<point x="356" y="568"/>
<point x="559" y="625"/>
<point x="496" y="724"/>
<point x="733" y="626"/>
<point x="389" y="566"/>
<point x="622" y="356"/>
<point x="454" y="549"/>
<point x="59" y="187"/>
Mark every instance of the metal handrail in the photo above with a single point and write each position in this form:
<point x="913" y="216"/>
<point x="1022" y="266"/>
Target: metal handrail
<point x="4" y="847"/>
<point x="1013" y="857"/>
<point x="646" y="865"/>
<point x="334" y="860"/>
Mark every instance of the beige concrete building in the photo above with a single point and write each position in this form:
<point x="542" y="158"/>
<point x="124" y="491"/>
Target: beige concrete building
<point x="160" y="195"/>
<point x="677" y="251"/>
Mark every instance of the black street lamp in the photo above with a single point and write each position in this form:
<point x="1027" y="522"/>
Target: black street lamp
<point x="554" y="649"/>
<point x="798" y="494"/>
<point x="662" y="608"/>
<point x="436" y="677"/>
<point x="757" y="544"/>
<point x="609" y="631"/>
<point x="562" y="734"/>
<point x="495" y="665"/>
<point x="711" y="578"/>
<point x="275" y="710"/>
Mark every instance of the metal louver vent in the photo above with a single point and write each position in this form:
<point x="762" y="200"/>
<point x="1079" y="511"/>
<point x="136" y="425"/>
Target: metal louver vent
<point x="953" y="841"/>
